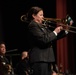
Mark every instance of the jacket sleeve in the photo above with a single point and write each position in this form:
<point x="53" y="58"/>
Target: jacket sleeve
<point x="40" y="34"/>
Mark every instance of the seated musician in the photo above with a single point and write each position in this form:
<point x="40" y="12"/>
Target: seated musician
<point x="23" y="67"/>
<point x="5" y="67"/>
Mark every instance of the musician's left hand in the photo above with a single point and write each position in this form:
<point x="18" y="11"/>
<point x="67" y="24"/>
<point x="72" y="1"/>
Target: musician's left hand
<point x="68" y="26"/>
<point x="71" y="22"/>
<point x="9" y="68"/>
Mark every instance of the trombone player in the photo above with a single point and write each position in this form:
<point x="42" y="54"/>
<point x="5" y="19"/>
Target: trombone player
<point x="66" y="23"/>
<point x="41" y="40"/>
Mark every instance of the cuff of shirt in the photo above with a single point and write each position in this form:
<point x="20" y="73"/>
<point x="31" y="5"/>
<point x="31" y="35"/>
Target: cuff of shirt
<point x="66" y="32"/>
<point x="55" y="33"/>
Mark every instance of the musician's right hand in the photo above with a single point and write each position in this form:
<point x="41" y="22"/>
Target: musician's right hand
<point x="58" y="29"/>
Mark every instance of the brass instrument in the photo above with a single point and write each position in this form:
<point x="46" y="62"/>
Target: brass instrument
<point x="62" y="22"/>
<point x="23" y="18"/>
<point x="5" y="68"/>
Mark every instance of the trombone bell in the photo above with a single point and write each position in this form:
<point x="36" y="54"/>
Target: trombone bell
<point x="62" y="22"/>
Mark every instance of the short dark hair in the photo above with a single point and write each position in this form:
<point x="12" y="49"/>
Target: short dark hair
<point x="2" y="42"/>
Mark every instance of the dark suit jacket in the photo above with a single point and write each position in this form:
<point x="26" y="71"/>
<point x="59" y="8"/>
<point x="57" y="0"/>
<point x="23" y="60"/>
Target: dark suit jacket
<point x="3" y="65"/>
<point x="22" y="67"/>
<point x="40" y="39"/>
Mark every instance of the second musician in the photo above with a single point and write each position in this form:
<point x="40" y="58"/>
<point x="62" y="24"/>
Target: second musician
<point x="5" y="67"/>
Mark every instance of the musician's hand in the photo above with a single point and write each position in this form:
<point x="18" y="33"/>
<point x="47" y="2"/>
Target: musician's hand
<point x="26" y="73"/>
<point x="54" y="73"/>
<point x="9" y="68"/>
<point x="71" y="22"/>
<point x="58" y="29"/>
<point x="68" y="26"/>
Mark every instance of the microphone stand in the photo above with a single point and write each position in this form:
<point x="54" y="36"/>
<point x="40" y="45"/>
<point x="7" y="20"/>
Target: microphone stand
<point x="12" y="71"/>
<point x="10" y="55"/>
<point x="11" y="50"/>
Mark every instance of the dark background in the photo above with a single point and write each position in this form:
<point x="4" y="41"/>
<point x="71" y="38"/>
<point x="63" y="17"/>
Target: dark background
<point x="14" y="30"/>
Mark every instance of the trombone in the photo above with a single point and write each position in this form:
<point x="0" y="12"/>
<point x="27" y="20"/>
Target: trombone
<point x="23" y="18"/>
<point x="62" y="22"/>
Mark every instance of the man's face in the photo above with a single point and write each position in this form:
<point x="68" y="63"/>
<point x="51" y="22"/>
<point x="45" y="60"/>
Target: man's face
<point x="24" y="55"/>
<point x="2" y="49"/>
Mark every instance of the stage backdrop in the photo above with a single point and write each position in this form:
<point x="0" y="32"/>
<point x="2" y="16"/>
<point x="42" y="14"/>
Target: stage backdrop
<point x="13" y="31"/>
